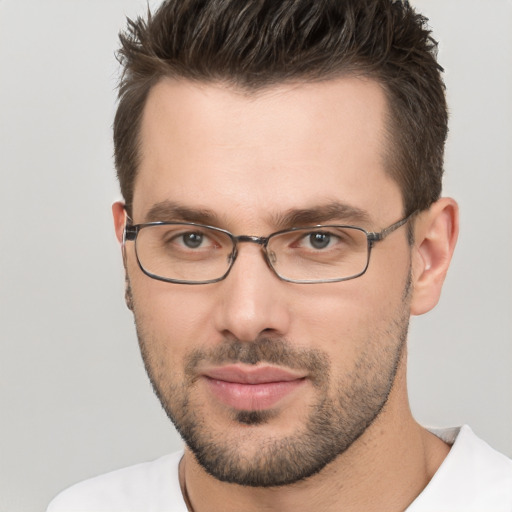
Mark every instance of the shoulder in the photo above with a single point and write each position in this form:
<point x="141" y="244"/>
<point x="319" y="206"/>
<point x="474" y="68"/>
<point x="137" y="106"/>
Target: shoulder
<point x="473" y="477"/>
<point x="149" y="487"/>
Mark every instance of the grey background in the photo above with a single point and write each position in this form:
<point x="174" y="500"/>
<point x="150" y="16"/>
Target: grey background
<point x="74" y="399"/>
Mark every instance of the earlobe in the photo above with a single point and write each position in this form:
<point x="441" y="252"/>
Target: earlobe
<point x="435" y="231"/>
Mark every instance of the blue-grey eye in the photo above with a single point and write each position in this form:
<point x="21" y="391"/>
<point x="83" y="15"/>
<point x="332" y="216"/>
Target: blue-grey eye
<point x="319" y="240"/>
<point x="193" y="240"/>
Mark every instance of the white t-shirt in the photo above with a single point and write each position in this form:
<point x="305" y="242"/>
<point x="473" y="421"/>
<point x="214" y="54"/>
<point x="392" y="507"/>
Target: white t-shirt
<point x="472" y="478"/>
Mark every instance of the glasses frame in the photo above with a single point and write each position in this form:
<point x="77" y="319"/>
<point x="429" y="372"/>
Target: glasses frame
<point x="132" y="230"/>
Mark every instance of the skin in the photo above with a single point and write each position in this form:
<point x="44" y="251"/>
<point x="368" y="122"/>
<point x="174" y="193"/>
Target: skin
<point x="247" y="159"/>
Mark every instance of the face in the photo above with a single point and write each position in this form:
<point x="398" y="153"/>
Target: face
<point x="269" y="381"/>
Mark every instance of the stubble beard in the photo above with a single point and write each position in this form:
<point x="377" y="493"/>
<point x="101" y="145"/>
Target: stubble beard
<point x="333" y="424"/>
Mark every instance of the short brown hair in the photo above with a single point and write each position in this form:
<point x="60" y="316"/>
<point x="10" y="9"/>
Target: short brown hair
<point x="253" y="44"/>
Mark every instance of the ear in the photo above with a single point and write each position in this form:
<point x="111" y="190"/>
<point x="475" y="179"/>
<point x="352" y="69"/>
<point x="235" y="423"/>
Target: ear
<point x="119" y="214"/>
<point x="435" y="236"/>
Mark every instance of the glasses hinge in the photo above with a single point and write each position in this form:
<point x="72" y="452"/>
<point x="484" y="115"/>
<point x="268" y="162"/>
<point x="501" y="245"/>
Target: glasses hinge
<point x="130" y="233"/>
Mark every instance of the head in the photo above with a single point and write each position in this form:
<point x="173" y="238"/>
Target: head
<point x="260" y="116"/>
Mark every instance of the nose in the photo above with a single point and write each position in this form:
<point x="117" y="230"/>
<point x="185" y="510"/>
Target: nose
<point x="252" y="300"/>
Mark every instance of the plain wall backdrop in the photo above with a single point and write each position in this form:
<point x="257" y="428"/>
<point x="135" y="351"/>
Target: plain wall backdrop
<point x="74" y="398"/>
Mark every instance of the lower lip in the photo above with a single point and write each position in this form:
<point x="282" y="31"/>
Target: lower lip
<point x="252" y="397"/>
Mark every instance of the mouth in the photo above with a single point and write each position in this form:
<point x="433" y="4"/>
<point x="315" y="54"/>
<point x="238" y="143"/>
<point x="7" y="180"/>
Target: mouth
<point x="252" y="388"/>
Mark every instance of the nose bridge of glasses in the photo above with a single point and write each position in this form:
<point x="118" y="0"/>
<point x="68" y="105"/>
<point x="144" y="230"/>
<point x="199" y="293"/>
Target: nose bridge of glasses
<point x="262" y="241"/>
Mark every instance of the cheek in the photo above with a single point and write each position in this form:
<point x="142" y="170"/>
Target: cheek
<point x="345" y="319"/>
<point x="170" y="320"/>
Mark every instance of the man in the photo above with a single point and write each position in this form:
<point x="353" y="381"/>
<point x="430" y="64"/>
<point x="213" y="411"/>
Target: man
<point x="281" y="166"/>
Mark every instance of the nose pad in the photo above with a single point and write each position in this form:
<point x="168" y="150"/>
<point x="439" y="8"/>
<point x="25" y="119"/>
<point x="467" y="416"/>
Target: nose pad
<point x="232" y="256"/>
<point x="272" y="258"/>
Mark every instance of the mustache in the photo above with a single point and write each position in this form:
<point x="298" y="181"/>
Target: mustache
<point x="265" y="349"/>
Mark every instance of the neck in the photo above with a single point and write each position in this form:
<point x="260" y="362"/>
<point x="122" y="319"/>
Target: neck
<point x="385" y="469"/>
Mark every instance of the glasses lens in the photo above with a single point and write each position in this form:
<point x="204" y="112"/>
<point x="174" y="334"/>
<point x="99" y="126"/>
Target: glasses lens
<point x="183" y="252"/>
<point x="329" y="253"/>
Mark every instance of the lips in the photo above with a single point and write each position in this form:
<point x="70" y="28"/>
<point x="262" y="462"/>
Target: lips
<point x="252" y="389"/>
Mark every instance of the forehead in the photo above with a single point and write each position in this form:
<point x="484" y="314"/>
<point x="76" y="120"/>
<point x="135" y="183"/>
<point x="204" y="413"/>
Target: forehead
<point x="212" y="147"/>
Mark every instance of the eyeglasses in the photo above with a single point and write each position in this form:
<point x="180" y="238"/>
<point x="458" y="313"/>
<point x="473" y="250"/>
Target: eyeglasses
<point x="189" y="253"/>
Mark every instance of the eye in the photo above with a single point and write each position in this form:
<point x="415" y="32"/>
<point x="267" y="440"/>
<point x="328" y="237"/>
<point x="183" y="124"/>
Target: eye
<point x="327" y="240"/>
<point x="176" y="238"/>
<point x="192" y="240"/>
<point x="319" y="240"/>
<point x="318" y="245"/>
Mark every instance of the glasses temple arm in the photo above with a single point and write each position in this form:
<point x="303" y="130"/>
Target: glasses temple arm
<point x="377" y="237"/>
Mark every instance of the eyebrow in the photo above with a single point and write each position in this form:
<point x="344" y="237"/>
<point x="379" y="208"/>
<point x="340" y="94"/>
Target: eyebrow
<point x="334" y="211"/>
<point x="330" y="212"/>
<point x="167" y="211"/>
